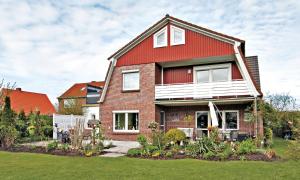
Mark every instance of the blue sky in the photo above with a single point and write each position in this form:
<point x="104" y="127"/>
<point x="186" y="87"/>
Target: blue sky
<point x="46" y="46"/>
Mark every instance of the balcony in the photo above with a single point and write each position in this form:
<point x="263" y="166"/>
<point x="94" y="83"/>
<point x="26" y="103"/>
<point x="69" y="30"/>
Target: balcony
<point x="202" y="90"/>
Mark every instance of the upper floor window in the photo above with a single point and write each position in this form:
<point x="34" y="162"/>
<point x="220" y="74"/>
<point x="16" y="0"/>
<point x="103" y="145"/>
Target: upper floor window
<point x="131" y="80"/>
<point x="212" y="73"/>
<point x="177" y="36"/>
<point x="161" y="38"/>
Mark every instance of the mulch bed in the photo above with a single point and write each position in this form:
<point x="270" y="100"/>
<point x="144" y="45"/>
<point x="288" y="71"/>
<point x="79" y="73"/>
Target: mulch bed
<point x="247" y="157"/>
<point x="43" y="150"/>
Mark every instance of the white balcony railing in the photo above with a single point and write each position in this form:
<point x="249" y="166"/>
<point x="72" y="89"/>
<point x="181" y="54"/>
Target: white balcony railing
<point x="202" y="90"/>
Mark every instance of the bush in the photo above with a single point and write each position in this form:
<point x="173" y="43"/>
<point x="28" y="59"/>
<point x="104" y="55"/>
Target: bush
<point x="142" y="140"/>
<point x="246" y="147"/>
<point x="134" y="152"/>
<point x="52" y="146"/>
<point x="65" y="147"/>
<point x="268" y="137"/>
<point x="152" y="148"/>
<point x="157" y="153"/>
<point x="270" y="153"/>
<point x="175" y="135"/>
<point x="293" y="151"/>
<point x="47" y="131"/>
<point x="209" y="155"/>
<point x="88" y="150"/>
<point x="8" y="135"/>
<point x="169" y="154"/>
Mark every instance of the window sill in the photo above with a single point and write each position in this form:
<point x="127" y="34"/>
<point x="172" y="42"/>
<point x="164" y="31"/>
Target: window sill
<point x="126" y="132"/>
<point x="128" y="91"/>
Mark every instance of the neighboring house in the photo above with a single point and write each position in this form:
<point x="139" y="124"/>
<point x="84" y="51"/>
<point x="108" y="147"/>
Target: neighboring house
<point x="29" y="101"/>
<point x="170" y="73"/>
<point x="85" y="96"/>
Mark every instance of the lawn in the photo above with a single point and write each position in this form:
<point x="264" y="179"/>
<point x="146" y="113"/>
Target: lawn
<point x="40" y="166"/>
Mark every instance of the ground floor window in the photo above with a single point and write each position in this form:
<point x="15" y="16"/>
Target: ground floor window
<point x="126" y="121"/>
<point x="227" y="120"/>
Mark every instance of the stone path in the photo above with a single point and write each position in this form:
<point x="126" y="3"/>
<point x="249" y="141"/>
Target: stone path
<point x="38" y="143"/>
<point x="120" y="149"/>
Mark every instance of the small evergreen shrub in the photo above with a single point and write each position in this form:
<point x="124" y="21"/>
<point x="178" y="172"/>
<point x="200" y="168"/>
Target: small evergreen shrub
<point x="134" y="152"/>
<point x="246" y="147"/>
<point x="175" y="135"/>
<point x="52" y="146"/>
<point x="142" y="140"/>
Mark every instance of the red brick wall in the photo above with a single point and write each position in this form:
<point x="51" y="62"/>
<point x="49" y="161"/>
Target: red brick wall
<point x="142" y="100"/>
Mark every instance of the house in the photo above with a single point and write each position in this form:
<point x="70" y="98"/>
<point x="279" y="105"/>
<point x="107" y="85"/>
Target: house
<point x="83" y="97"/>
<point x="171" y="73"/>
<point x="29" y="101"/>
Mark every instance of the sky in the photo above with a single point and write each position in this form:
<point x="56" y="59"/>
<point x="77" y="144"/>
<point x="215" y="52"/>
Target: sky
<point x="46" y="46"/>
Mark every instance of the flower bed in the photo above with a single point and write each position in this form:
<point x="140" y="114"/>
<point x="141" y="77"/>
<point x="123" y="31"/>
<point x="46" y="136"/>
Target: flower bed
<point x="44" y="150"/>
<point x="174" y="145"/>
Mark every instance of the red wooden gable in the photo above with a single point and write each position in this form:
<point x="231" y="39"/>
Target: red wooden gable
<point x="196" y="46"/>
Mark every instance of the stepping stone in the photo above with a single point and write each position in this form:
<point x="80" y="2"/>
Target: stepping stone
<point x="112" y="155"/>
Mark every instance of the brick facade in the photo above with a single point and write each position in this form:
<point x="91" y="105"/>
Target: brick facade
<point x="142" y="100"/>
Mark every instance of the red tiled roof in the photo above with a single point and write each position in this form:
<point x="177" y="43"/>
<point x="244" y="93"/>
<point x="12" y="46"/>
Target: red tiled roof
<point x="29" y="102"/>
<point x="80" y="90"/>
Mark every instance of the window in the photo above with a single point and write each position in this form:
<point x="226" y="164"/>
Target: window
<point x="202" y="76"/>
<point x="177" y="36"/>
<point x="202" y="120"/>
<point x="160" y="39"/>
<point x="68" y="103"/>
<point x="126" y="121"/>
<point x="231" y="120"/>
<point x="212" y="73"/>
<point x="131" y="80"/>
<point x="227" y="120"/>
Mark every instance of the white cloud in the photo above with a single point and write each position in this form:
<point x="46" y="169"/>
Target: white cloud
<point x="46" y="46"/>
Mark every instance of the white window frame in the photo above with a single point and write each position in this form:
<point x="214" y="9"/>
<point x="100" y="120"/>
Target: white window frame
<point x="126" y="121"/>
<point x="210" y="68"/>
<point x="123" y="82"/>
<point x="173" y="28"/>
<point x="223" y="120"/>
<point x="163" y="30"/>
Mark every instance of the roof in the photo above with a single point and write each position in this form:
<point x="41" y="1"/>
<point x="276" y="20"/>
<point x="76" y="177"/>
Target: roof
<point x="167" y="19"/>
<point x="29" y="101"/>
<point x="80" y="89"/>
<point x="252" y="62"/>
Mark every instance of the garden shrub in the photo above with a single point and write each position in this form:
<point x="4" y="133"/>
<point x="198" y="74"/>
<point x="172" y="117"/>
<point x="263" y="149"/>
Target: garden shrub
<point x="270" y="153"/>
<point x="8" y="135"/>
<point x="246" y="147"/>
<point x="88" y="150"/>
<point x="65" y="147"/>
<point x="157" y="153"/>
<point x="169" y="154"/>
<point x="268" y="137"/>
<point x="142" y="140"/>
<point x="152" y="148"/>
<point x="209" y="155"/>
<point x="52" y="146"/>
<point x="134" y="152"/>
<point x="175" y="135"/>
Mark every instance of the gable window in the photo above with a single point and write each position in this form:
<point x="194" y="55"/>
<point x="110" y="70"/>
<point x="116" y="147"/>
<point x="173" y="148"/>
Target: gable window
<point x="160" y="39"/>
<point x="131" y="80"/>
<point x="126" y="121"/>
<point x="212" y="73"/>
<point x="177" y="36"/>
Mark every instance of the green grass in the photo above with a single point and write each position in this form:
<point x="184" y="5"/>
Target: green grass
<point x="40" y="166"/>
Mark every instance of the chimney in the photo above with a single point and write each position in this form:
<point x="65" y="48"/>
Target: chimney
<point x="19" y="89"/>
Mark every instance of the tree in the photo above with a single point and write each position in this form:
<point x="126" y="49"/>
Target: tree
<point x="72" y="106"/>
<point x="7" y="115"/>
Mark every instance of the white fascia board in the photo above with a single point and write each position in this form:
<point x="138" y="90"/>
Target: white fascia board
<point x="111" y="69"/>
<point x="244" y="71"/>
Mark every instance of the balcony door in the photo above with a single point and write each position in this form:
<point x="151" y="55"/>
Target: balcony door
<point x="202" y="122"/>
